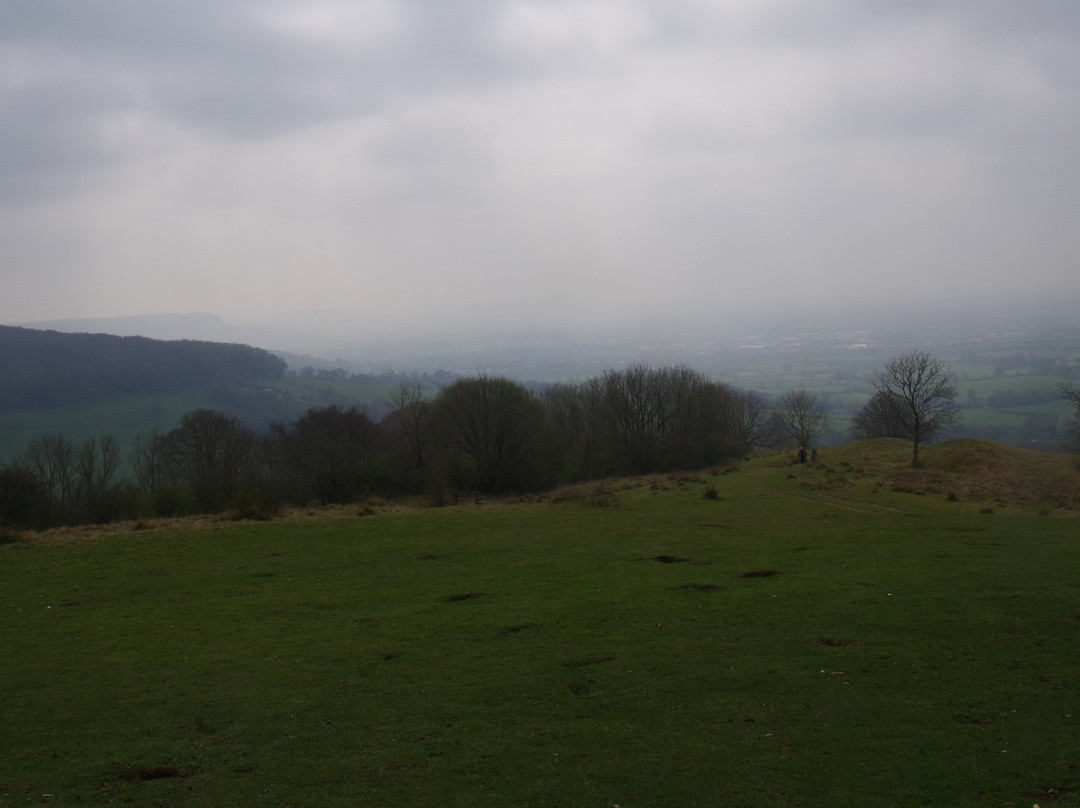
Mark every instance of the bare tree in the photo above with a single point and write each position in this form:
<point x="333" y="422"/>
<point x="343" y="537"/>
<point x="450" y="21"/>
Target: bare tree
<point x="209" y="451"/>
<point x="880" y="417"/>
<point x="634" y="404"/>
<point x="331" y="450"/>
<point x="50" y="458"/>
<point x="799" y="415"/>
<point x="149" y="458"/>
<point x="76" y="481"/>
<point x="925" y="401"/>
<point x="497" y="428"/>
<point x="409" y="437"/>
<point x="580" y="426"/>
<point x="96" y="464"/>
<point x="749" y="420"/>
<point x="1071" y="393"/>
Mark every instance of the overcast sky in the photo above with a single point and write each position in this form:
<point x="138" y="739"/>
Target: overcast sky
<point x="540" y="159"/>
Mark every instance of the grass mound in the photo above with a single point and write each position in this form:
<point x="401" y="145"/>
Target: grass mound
<point x="961" y="470"/>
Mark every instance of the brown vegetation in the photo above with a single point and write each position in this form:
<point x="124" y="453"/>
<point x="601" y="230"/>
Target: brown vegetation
<point x="958" y="470"/>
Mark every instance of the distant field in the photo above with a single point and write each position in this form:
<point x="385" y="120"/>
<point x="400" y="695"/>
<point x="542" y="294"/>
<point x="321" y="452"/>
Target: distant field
<point x="842" y="384"/>
<point x="123" y="418"/>
<point x="840" y="375"/>
<point x="311" y="389"/>
<point x="854" y="633"/>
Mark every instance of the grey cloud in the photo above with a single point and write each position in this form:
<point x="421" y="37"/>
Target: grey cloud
<point x="734" y="148"/>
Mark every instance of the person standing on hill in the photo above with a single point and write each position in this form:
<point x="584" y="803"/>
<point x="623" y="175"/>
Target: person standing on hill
<point x="802" y="455"/>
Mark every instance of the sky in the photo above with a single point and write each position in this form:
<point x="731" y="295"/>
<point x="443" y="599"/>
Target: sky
<point x="547" y="161"/>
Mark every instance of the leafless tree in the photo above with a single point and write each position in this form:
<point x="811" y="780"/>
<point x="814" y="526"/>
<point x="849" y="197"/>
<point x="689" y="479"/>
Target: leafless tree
<point x="799" y="415"/>
<point x="748" y="420"/>
<point x="149" y="460"/>
<point x="409" y="436"/>
<point x="331" y="450"/>
<point x="209" y="451"/>
<point x="496" y="429"/>
<point x="580" y="425"/>
<point x="642" y="419"/>
<point x="1071" y="393"/>
<point x="633" y="402"/>
<point x="76" y="481"/>
<point x="96" y="463"/>
<point x="925" y="400"/>
<point x="50" y="458"/>
<point x="880" y="417"/>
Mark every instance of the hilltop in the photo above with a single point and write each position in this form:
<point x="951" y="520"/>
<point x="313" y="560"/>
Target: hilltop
<point x="956" y="470"/>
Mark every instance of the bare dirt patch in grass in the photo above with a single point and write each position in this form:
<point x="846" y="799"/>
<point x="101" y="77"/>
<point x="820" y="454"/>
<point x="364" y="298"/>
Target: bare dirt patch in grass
<point x="585" y="661"/>
<point x="142" y="774"/>
<point x="466" y="596"/>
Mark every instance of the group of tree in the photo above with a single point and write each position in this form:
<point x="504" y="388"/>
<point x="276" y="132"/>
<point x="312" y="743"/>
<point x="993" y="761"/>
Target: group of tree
<point x="486" y="434"/>
<point x="56" y="481"/>
<point x="1070" y="391"/>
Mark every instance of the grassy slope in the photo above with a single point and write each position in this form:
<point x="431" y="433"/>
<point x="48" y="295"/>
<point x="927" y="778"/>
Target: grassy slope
<point x="904" y="650"/>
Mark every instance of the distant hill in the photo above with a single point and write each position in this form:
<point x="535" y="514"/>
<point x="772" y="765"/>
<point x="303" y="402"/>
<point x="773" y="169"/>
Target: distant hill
<point x="197" y="325"/>
<point x="51" y="369"/>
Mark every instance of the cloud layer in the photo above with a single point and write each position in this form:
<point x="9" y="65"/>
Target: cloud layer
<point x="545" y="160"/>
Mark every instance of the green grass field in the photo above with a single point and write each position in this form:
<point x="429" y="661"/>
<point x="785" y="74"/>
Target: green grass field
<point x="851" y="634"/>
<point x="124" y="418"/>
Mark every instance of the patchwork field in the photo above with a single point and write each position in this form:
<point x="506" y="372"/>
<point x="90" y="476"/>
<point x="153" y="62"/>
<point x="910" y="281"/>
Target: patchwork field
<point x="854" y="633"/>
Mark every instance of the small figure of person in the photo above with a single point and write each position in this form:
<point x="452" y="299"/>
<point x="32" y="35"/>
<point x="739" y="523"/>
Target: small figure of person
<point x="802" y="455"/>
<point x="813" y="455"/>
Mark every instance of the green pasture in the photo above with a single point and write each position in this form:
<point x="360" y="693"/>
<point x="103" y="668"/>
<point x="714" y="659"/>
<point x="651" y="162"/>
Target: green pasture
<point x="982" y="417"/>
<point x="322" y="390"/>
<point x="771" y="635"/>
<point x="124" y="417"/>
<point x="984" y="386"/>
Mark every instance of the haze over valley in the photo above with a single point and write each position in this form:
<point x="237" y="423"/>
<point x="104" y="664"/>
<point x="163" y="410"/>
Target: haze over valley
<point x="774" y="195"/>
<point x="719" y="347"/>
<point x="540" y="167"/>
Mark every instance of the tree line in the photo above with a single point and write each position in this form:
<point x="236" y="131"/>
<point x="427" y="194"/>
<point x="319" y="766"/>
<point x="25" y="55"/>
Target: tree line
<point x="485" y="434"/>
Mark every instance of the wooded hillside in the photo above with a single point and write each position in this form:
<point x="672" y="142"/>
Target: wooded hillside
<point x="49" y="368"/>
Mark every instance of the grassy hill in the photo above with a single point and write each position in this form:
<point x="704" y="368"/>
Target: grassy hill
<point x="972" y="471"/>
<point x="846" y="634"/>
<point x="83" y="385"/>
